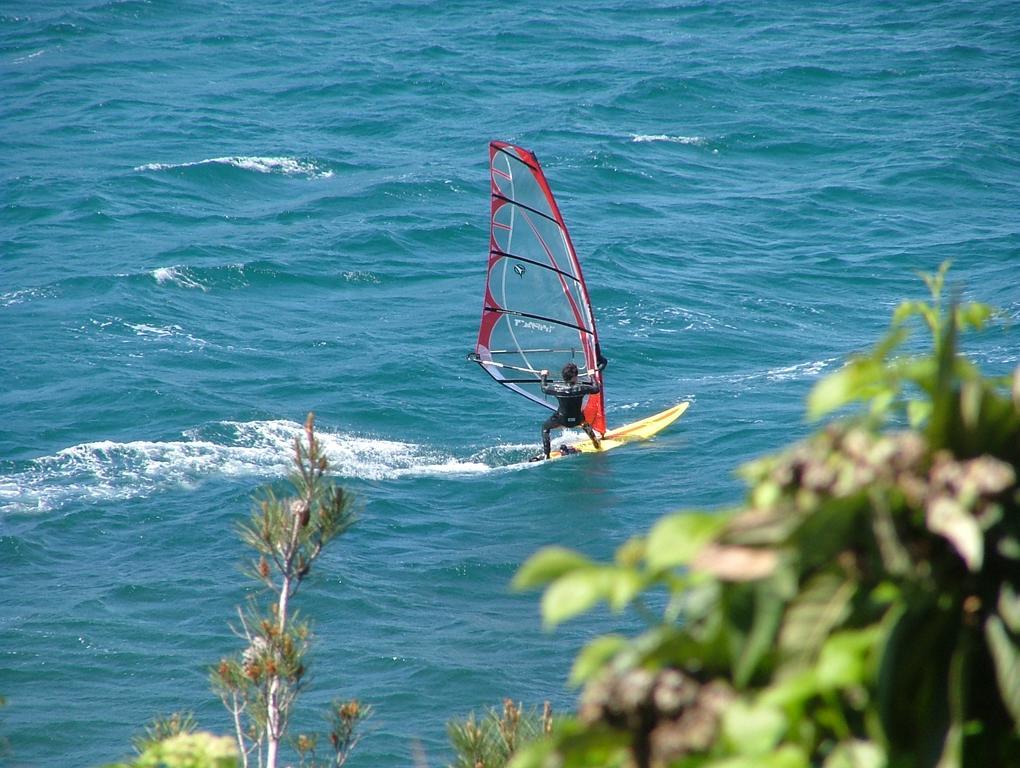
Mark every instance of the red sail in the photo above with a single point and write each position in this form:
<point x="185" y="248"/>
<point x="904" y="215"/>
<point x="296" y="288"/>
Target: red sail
<point x="536" y="314"/>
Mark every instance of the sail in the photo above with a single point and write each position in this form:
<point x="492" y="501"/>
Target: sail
<point x="536" y="314"/>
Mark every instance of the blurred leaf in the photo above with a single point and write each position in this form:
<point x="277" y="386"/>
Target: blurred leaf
<point x="862" y="378"/>
<point x="597" y="654"/>
<point x="547" y="565"/>
<point x="753" y="729"/>
<point x="768" y="610"/>
<point x="1009" y="607"/>
<point x="948" y="518"/>
<point x="937" y="280"/>
<point x="759" y="526"/>
<point x="676" y="539"/>
<point x="792" y="691"/>
<point x="787" y="756"/>
<point x="1006" y="655"/>
<point x="881" y="402"/>
<point x="1009" y="547"/>
<point x="573" y="745"/>
<point x="731" y="563"/>
<point x="832" y="392"/>
<point x="973" y="315"/>
<point x="821" y="605"/>
<point x="190" y="750"/>
<point x="856" y="754"/>
<point x="624" y="584"/>
<point x="912" y="695"/>
<point x="842" y="662"/>
<point x="971" y="400"/>
<point x="918" y="412"/>
<point x="573" y="594"/>
<point x="908" y="309"/>
<point x="631" y="552"/>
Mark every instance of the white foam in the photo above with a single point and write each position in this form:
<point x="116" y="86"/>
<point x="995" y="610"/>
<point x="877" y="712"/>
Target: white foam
<point x="21" y="296"/>
<point x="360" y="276"/>
<point x="695" y="140"/>
<point x="165" y="332"/>
<point x="288" y="166"/>
<point x="260" y="450"/>
<point x="28" y="57"/>
<point x="178" y="276"/>
<point x="806" y="370"/>
<point x="151" y="330"/>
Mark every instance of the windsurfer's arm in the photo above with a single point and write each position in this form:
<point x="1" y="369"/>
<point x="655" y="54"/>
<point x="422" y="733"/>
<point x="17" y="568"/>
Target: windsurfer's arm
<point x="545" y="381"/>
<point x="600" y="360"/>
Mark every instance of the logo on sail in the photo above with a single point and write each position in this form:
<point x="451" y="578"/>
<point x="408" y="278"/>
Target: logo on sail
<point x="544" y="327"/>
<point x="519" y="269"/>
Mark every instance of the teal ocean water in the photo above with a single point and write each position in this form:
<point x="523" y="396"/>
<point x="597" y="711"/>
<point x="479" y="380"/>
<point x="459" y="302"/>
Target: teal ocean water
<point x="218" y="216"/>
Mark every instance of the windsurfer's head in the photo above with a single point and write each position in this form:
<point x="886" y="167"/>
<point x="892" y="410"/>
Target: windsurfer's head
<point x="570" y="373"/>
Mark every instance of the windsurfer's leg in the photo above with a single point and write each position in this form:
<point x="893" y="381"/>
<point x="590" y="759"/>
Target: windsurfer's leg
<point x="591" y="433"/>
<point x="551" y="423"/>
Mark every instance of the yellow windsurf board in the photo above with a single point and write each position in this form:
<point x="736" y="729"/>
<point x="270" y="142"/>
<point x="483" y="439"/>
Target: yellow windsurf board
<point x="637" y="430"/>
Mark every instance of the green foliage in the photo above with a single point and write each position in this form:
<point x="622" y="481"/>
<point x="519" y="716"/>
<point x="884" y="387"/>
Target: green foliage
<point x="862" y="608"/>
<point x="490" y="742"/>
<point x="163" y="727"/>
<point x="260" y="685"/>
<point x="344" y="719"/>
<point x="187" y="750"/>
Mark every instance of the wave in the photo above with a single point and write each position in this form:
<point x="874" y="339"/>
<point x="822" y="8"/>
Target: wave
<point x="261" y="450"/>
<point x="177" y="275"/>
<point x="23" y="296"/>
<point x="214" y="277"/>
<point x="174" y="332"/>
<point x="288" y="166"/>
<point x="695" y="140"/>
<point x="28" y="57"/>
<point x="810" y="369"/>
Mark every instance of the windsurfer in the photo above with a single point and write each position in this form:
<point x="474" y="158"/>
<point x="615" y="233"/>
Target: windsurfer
<point x="570" y="393"/>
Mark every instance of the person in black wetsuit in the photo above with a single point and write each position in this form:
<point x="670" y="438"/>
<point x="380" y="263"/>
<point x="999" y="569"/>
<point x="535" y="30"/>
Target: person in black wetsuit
<point x="570" y="393"/>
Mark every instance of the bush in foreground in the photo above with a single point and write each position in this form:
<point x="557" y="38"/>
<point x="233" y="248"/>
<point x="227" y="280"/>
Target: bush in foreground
<point x="861" y="609"/>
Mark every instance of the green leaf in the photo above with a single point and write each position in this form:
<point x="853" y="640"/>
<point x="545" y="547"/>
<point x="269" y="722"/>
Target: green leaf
<point x="918" y="412"/>
<point x="547" y="565"/>
<point x="973" y="315"/>
<point x="676" y="539"/>
<point x="937" y="280"/>
<point x="792" y="691"/>
<point x="191" y="750"/>
<point x="822" y="604"/>
<point x="787" y="756"/>
<point x="624" y="584"/>
<point x="908" y="309"/>
<point x="573" y="745"/>
<point x="631" y="552"/>
<point x="842" y="662"/>
<point x="1009" y="607"/>
<point x="1006" y="655"/>
<point x="594" y="656"/>
<point x="753" y="729"/>
<point x="768" y="610"/>
<point x="856" y="754"/>
<point x="832" y="393"/>
<point x="572" y="595"/>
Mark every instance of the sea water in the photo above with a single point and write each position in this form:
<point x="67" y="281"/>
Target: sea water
<point x="217" y="217"/>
